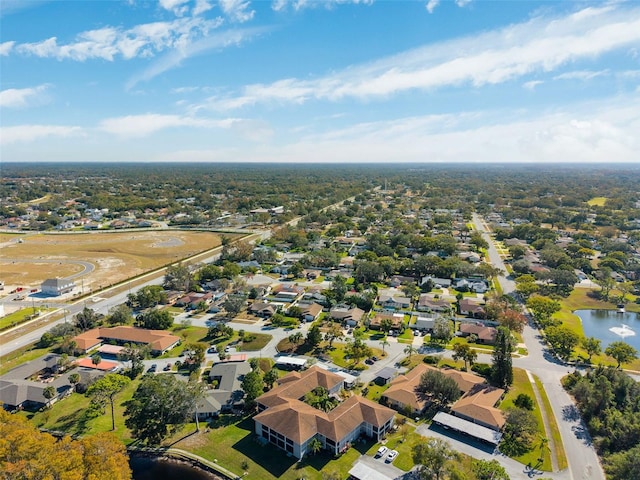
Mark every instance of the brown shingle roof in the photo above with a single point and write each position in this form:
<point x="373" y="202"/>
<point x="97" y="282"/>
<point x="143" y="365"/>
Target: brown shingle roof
<point x="479" y="404"/>
<point x="299" y="422"/>
<point x="157" y="339"/>
<point x="404" y="388"/>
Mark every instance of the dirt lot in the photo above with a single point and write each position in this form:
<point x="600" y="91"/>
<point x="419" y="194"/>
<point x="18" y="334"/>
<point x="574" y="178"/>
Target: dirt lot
<point x="116" y="256"/>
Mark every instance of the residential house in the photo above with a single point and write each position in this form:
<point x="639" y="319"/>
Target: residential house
<point x="438" y="282"/>
<point x="286" y="421"/>
<point x="227" y="393"/>
<point x="484" y="334"/>
<point x="389" y="301"/>
<point x="478" y="406"/>
<point x="311" y="312"/>
<point x="349" y="316"/>
<point x="262" y="309"/>
<point x="159" y="341"/>
<point x="403" y="394"/>
<point x="424" y="324"/>
<point x="471" y="308"/>
<point x="426" y="303"/>
<point x="193" y="299"/>
<point x="398" y="280"/>
<point x="56" y="286"/>
<point x="396" y="320"/>
<point x="23" y="387"/>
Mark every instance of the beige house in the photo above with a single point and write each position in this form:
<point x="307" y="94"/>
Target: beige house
<point x="291" y="424"/>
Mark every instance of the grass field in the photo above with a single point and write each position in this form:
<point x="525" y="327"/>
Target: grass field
<point x="20" y="316"/>
<point x="521" y="384"/>
<point x="116" y="255"/>
<point x="597" y="202"/>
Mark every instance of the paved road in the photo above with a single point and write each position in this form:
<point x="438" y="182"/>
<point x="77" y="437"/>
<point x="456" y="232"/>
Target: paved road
<point x="581" y="456"/>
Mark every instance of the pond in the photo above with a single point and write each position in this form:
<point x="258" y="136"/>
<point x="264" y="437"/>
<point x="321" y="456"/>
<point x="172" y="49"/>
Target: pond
<point x="610" y="326"/>
<point x="145" y="468"/>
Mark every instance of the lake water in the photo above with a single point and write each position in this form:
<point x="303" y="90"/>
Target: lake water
<point x="610" y="326"/>
<point x="145" y="468"/>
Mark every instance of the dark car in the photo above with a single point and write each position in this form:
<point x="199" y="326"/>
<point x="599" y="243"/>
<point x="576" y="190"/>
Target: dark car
<point x="153" y="368"/>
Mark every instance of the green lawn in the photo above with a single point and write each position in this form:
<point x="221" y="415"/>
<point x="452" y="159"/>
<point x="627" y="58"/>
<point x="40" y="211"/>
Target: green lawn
<point x="22" y="315"/>
<point x="521" y="384"/>
<point x="187" y="335"/>
<point x="231" y="441"/>
<point x="553" y="425"/>
<point x="67" y="415"/>
<point x="20" y="356"/>
<point x="258" y="343"/>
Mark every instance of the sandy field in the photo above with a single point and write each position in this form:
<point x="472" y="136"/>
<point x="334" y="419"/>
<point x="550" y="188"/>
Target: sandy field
<point x="112" y="256"/>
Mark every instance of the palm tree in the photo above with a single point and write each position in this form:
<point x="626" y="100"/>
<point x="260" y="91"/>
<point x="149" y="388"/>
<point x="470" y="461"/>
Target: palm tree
<point x="315" y="446"/>
<point x="409" y="350"/>
<point x="74" y="379"/>
<point x="384" y="343"/>
<point x="49" y="393"/>
<point x="96" y="359"/>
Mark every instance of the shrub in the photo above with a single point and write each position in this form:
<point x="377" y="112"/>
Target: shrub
<point x="524" y="401"/>
<point x="431" y="359"/>
<point x="483" y="369"/>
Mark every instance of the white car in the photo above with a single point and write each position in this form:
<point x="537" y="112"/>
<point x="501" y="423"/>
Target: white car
<point x="391" y="456"/>
<point x="381" y="451"/>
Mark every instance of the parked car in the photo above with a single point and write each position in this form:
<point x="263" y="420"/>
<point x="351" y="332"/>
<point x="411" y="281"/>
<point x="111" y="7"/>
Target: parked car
<point x="381" y="451"/>
<point x="167" y="367"/>
<point x="369" y="361"/>
<point x="391" y="456"/>
<point x="153" y="368"/>
<point x="374" y="358"/>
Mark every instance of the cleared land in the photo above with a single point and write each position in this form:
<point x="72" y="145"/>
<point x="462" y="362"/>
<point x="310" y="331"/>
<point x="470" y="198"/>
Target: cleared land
<point x="597" y="202"/>
<point x="116" y="256"/>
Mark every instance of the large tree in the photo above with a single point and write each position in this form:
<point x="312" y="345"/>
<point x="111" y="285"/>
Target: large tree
<point x="120" y="315"/>
<point x="592" y="346"/>
<point x="502" y="368"/>
<point x="464" y="352"/>
<point x="314" y="336"/>
<point x="434" y="457"/>
<point x="253" y="386"/>
<point x="26" y="453"/>
<point x="87" y="319"/>
<point x="440" y="388"/>
<point x="105" y="390"/>
<point x="621" y="352"/>
<point x="489" y="470"/>
<point x="543" y="308"/>
<point x="563" y="340"/>
<point x="155" y="320"/>
<point x="519" y="432"/>
<point x="134" y="353"/>
<point x="178" y="277"/>
<point x="441" y="330"/>
<point x="160" y="406"/>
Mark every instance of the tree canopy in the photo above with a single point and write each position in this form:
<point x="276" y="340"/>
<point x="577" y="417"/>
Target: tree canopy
<point x="160" y="405"/>
<point x="28" y="454"/>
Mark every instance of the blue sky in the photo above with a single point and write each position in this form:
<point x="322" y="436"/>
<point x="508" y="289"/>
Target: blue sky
<point x="305" y="81"/>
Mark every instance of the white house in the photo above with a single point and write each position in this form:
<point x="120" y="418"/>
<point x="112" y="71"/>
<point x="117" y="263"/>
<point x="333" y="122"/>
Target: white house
<point x="56" y="286"/>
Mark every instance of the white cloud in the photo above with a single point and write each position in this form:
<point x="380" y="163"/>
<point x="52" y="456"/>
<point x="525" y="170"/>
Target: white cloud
<point x="174" y="58"/>
<point x="489" y="58"/>
<point x="462" y="3"/>
<point x="531" y="85"/>
<point x="201" y="7"/>
<point x="23" y="97"/>
<point x="583" y="75"/>
<point x="238" y="10"/>
<point x="585" y="133"/>
<point x="431" y="5"/>
<point x="6" y="47"/>
<point x="30" y="133"/>
<point x="297" y="5"/>
<point x="146" y="124"/>
<point x="178" y="7"/>
<point x="107" y="43"/>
